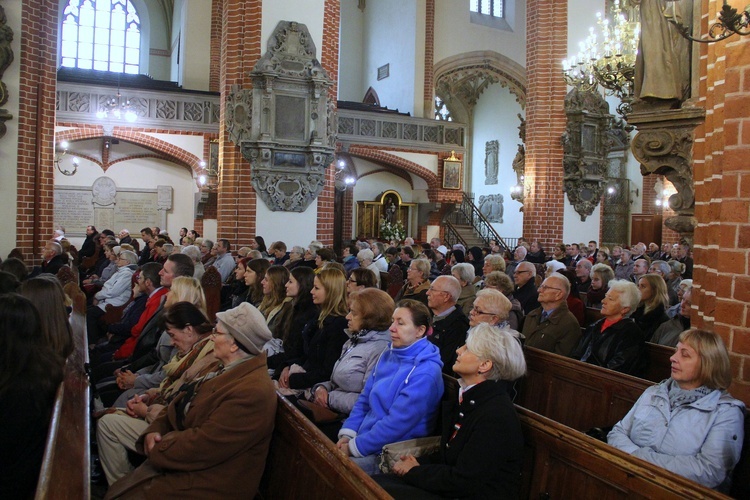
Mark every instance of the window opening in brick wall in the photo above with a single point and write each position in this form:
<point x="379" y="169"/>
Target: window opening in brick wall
<point x="441" y="111"/>
<point x="492" y="8"/>
<point x="103" y="35"/>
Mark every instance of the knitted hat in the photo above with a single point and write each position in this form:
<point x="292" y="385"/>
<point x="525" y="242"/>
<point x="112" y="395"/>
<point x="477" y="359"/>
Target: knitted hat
<point x="555" y="265"/>
<point x="247" y="326"/>
<point x="442" y="249"/>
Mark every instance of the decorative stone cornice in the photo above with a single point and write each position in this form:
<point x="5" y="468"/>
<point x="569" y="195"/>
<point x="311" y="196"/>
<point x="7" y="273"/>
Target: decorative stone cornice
<point x="663" y="145"/>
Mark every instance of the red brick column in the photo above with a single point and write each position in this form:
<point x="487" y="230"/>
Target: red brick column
<point x="36" y="125"/>
<point x="721" y="293"/>
<point x="546" y="46"/>
<point x="429" y="59"/>
<point x="329" y="59"/>
<point x="217" y="17"/>
<point x="240" y="50"/>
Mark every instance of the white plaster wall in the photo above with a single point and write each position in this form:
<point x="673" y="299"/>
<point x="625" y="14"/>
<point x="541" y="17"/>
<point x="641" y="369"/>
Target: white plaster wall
<point x="351" y="33"/>
<point x="455" y="34"/>
<point x="430" y="162"/>
<point x="309" y="13"/>
<point x="158" y="38"/>
<point x="575" y="231"/>
<point x="9" y="149"/>
<point x="175" y="39"/>
<point x="495" y="119"/>
<point x="195" y="54"/>
<point x="290" y="227"/>
<point x="581" y="16"/>
<point x="390" y="38"/>
<point x="142" y="173"/>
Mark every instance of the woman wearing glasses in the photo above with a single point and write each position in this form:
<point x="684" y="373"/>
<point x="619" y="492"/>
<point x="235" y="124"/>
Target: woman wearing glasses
<point x="417" y="281"/>
<point x="213" y="438"/>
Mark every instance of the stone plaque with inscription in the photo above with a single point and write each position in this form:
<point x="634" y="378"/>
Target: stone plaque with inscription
<point x="136" y="210"/>
<point x="73" y="209"/>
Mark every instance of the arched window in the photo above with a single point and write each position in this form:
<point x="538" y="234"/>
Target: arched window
<point x="441" y="111"/>
<point x="492" y="8"/>
<point x="101" y="34"/>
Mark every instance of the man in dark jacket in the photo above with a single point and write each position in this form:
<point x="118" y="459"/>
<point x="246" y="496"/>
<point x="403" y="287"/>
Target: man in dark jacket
<point x="53" y="258"/>
<point x="525" y="291"/>
<point x="89" y="244"/>
<point x="615" y="341"/>
<point x="552" y="327"/>
<point x="449" y="323"/>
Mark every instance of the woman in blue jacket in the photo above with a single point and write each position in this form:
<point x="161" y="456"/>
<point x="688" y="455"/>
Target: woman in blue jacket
<point x="401" y="398"/>
<point x="688" y="424"/>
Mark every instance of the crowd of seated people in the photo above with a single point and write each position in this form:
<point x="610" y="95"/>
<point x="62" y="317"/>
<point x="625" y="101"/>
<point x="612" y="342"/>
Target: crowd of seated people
<point x="340" y="347"/>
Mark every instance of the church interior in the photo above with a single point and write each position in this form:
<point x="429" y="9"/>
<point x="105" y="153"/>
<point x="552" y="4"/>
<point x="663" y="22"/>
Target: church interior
<point x="317" y="119"/>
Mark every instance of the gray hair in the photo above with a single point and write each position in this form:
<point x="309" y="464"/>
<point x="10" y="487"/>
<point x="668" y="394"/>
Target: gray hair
<point x="193" y="252"/>
<point x="499" y="346"/>
<point x="209" y="244"/>
<point x="168" y="247"/>
<point x="452" y="286"/>
<point x="662" y="266"/>
<point x="562" y="280"/>
<point x="254" y="254"/>
<point x="585" y="263"/>
<point x="131" y="257"/>
<point x="365" y="254"/>
<point x="527" y="266"/>
<point x="630" y="296"/>
<point x="497" y="303"/>
<point x="313" y="249"/>
<point x="522" y="250"/>
<point x="56" y="247"/>
<point x="676" y="267"/>
<point x="421" y="265"/>
<point x="496" y="261"/>
<point x="363" y="245"/>
<point x="298" y="250"/>
<point x="464" y="272"/>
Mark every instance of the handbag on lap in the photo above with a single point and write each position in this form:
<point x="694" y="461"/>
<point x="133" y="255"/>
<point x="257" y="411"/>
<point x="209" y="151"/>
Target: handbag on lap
<point x="418" y="447"/>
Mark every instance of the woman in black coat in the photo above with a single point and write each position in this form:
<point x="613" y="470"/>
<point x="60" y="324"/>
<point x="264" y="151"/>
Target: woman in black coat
<point x="481" y="450"/>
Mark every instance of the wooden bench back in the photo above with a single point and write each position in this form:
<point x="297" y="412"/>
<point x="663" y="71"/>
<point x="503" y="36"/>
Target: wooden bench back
<point x="304" y="463"/>
<point x="576" y="394"/>
<point x="659" y="366"/>
<point x="65" y="472"/>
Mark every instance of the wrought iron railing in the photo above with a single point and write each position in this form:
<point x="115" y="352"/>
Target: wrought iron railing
<point x="451" y="236"/>
<point x="468" y="213"/>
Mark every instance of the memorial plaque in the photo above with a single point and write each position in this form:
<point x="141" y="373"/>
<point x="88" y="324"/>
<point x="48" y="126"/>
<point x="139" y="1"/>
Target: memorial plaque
<point x="136" y="210"/>
<point x="73" y="210"/>
<point x="104" y="218"/>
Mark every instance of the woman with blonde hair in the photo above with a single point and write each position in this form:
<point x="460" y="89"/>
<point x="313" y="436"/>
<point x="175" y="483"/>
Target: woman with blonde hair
<point x="652" y="310"/>
<point x="324" y="335"/>
<point x="276" y="306"/>
<point x="689" y="424"/>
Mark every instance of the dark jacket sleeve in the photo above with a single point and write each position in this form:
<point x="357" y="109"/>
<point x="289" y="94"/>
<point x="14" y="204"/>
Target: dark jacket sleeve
<point x="492" y="443"/>
<point x="130" y="318"/>
<point x="327" y="349"/>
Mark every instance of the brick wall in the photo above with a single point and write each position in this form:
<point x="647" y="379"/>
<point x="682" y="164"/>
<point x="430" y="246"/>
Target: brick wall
<point x="214" y="71"/>
<point x="36" y="125"/>
<point x="546" y="46"/>
<point x="429" y="59"/>
<point x="240" y="49"/>
<point x="721" y="293"/>
<point x="329" y="59"/>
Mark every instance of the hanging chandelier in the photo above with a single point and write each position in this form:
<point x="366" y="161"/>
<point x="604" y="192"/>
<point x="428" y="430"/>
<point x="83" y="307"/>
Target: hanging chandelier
<point x="117" y="108"/>
<point x="608" y="61"/>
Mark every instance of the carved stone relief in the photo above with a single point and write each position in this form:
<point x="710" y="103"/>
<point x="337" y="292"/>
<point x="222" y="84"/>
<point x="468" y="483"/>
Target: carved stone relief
<point x="6" y="57"/>
<point x="585" y="149"/>
<point x="491" y="207"/>
<point x="286" y="125"/>
<point x="491" y="151"/>
<point x="519" y="165"/>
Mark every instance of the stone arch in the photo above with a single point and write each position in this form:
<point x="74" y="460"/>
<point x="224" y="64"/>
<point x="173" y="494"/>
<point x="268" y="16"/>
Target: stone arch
<point x="388" y="159"/>
<point x="461" y="79"/>
<point x="393" y="171"/>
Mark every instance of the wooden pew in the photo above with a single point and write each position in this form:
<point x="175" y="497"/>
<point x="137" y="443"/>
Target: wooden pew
<point x="304" y="463"/>
<point x="659" y="366"/>
<point x="65" y="472"/>
<point x="562" y="463"/>
<point x="576" y="394"/>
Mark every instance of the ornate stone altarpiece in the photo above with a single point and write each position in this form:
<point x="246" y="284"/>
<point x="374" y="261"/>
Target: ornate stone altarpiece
<point x="585" y="149"/>
<point x="285" y="125"/>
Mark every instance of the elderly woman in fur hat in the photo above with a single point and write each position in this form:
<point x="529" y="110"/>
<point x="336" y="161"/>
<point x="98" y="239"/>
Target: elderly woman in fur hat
<point x="213" y="438"/>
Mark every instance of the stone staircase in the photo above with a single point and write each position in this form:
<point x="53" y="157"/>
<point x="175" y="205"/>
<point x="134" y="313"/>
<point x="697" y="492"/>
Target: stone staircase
<point x="466" y="231"/>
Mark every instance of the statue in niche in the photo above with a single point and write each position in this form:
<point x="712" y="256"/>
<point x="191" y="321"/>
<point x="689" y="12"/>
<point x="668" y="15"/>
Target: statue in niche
<point x="662" y="68"/>
<point x="491" y="206"/>
<point x="491" y="150"/>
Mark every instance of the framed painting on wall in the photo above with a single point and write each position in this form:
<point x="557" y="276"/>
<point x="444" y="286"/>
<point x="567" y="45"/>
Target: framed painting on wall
<point x="452" y="172"/>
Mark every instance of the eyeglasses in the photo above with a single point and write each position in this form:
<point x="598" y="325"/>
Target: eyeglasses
<point x="479" y="312"/>
<point x="433" y="290"/>
<point x="547" y="287"/>
<point x="350" y="280"/>
<point x="519" y="272"/>
<point x="215" y="332"/>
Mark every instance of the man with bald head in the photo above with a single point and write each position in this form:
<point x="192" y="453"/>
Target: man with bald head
<point x="552" y="327"/>
<point x="640" y="268"/>
<point x="583" y="274"/>
<point x="525" y="291"/>
<point x="449" y="323"/>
